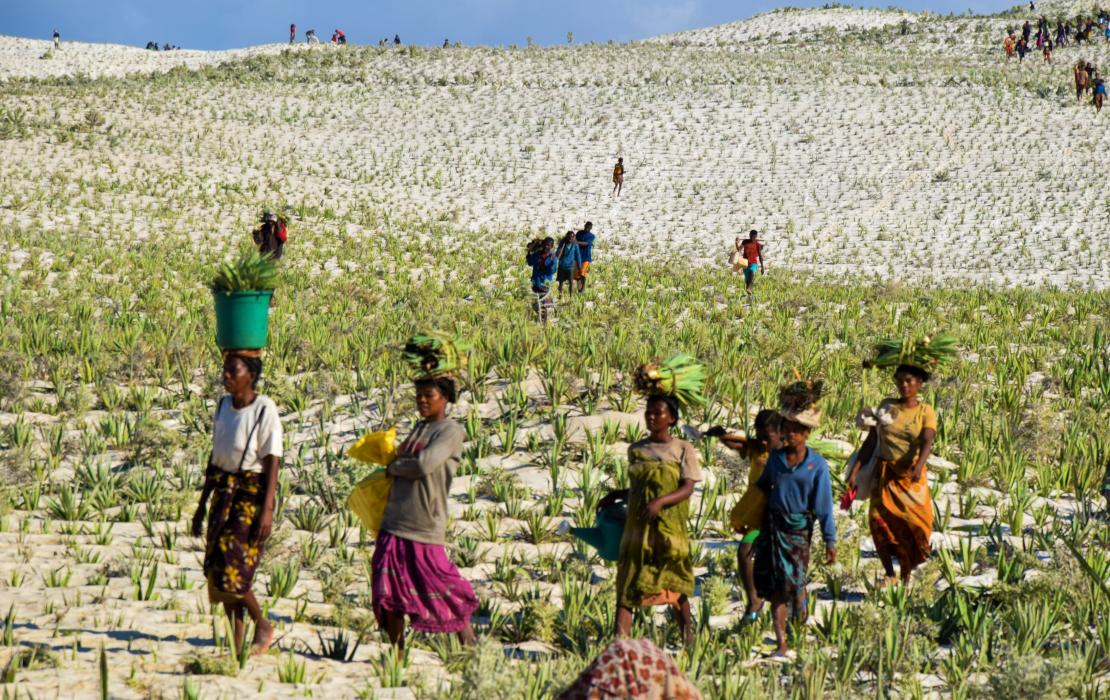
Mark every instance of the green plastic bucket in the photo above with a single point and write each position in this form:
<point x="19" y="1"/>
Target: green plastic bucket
<point x="242" y="319"/>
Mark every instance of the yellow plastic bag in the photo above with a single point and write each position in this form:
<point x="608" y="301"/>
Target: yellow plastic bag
<point x="376" y="448"/>
<point x="369" y="498"/>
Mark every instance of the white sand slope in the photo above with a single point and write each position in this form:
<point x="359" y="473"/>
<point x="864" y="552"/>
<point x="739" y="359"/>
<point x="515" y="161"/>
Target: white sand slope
<point x="922" y="155"/>
<point x="23" y="58"/>
<point x="784" y="24"/>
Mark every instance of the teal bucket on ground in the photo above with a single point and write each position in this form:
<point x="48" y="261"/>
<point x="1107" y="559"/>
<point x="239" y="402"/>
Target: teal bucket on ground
<point x="607" y="532"/>
<point x="242" y="319"/>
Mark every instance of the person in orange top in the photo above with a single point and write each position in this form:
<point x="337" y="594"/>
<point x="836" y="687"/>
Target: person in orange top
<point x="747" y="515"/>
<point x="1009" y="44"/>
<point x="752" y="250"/>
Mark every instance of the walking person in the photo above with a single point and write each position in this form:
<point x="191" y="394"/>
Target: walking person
<point x="271" y="235"/>
<point x="752" y="251"/>
<point x="241" y="478"/>
<point x="570" y="263"/>
<point x="1080" y="73"/>
<point x="310" y="37"/>
<point x="1008" y="45"/>
<point x="749" y="512"/>
<point x="901" y="437"/>
<point x="1100" y="92"/>
<point x="799" y="493"/>
<point x="57" y="40"/>
<point x="292" y="33"/>
<point x="411" y="573"/>
<point x="585" y="239"/>
<point x="1022" y="49"/>
<point x="541" y="257"/>
<point x="618" y="177"/>
<point x="654" y="566"/>
<point x="1046" y="52"/>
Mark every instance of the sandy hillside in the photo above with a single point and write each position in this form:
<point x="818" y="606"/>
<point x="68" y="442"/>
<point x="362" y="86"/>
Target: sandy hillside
<point x="875" y="147"/>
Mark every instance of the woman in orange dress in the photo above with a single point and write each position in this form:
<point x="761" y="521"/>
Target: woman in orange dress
<point x="901" y="512"/>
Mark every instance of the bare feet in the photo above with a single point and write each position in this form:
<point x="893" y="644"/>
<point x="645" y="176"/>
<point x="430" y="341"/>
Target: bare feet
<point x="263" y="636"/>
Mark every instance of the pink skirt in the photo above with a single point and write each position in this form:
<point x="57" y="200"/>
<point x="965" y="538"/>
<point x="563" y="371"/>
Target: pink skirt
<point x="419" y="580"/>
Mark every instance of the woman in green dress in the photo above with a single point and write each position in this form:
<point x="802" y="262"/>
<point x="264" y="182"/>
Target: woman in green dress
<point x="655" y="567"/>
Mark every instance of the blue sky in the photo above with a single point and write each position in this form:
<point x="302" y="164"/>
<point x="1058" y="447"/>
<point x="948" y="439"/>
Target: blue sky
<point x="218" y="24"/>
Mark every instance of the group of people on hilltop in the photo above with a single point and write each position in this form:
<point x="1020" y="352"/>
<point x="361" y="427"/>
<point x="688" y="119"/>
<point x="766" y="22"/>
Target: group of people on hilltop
<point x="153" y="46"/>
<point x="338" y="37"/>
<point x="1085" y="28"/>
<point x="566" y="262"/>
<point x="413" y="580"/>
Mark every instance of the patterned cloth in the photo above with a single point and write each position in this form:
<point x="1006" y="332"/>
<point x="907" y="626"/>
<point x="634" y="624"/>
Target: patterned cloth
<point x="230" y="558"/>
<point x="419" y="580"/>
<point x="1106" y="481"/>
<point x="782" y="554"/>
<point x="901" y="511"/>
<point x="901" y="515"/>
<point x="632" y="668"/>
<point x="655" y="566"/>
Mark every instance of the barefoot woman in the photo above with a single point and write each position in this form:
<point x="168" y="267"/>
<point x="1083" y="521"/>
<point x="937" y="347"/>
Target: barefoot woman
<point x="411" y="572"/>
<point x="241" y="478"/>
<point x="901" y="512"/>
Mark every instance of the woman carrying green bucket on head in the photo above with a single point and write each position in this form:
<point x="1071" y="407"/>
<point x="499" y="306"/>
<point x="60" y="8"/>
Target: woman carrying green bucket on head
<point x="654" y="566"/>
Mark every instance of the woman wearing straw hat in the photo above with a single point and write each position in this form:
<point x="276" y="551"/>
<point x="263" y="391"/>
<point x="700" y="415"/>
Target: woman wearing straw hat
<point x="902" y="431"/>
<point x="654" y="567"/>
<point x="411" y="572"/>
<point x="242" y="478"/>
<point x="799" y="493"/>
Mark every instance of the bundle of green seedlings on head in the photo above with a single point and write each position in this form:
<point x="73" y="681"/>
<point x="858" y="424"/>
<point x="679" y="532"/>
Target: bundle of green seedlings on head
<point x="435" y="354"/>
<point x="681" y="376"/>
<point x="929" y="353"/>
<point x="252" y="271"/>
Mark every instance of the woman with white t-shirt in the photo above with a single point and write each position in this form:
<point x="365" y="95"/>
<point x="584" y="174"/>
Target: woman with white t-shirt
<point x="241" y="477"/>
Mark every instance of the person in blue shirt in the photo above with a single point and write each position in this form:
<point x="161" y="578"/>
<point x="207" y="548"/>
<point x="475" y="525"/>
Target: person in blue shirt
<point x="541" y="257"/>
<point x="570" y="261"/>
<point x="799" y="493"/>
<point x="585" y="239"/>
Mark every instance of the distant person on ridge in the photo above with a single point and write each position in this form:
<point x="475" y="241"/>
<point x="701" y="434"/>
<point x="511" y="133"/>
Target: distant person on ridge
<point x="292" y="33"/>
<point x="340" y="37"/>
<point x="310" y="37"/>
<point x="752" y="251"/>
<point x="57" y="40"/>
<point x="396" y="39"/>
<point x="618" y="177"/>
<point x="585" y="239"/>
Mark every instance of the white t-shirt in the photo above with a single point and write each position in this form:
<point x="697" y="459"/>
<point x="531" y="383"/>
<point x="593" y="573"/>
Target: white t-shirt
<point x="233" y="427"/>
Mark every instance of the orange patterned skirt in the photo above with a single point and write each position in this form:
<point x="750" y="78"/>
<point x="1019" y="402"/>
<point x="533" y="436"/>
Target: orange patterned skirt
<point x="901" y="515"/>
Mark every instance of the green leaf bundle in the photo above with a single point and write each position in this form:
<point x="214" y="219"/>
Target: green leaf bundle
<point x="924" y="352"/>
<point x="252" y="272"/>
<point x="681" y="376"/>
<point x="435" y="354"/>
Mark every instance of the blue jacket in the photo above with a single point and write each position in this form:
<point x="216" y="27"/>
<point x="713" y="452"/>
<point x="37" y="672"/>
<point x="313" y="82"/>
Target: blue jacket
<point x="569" y="255"/>
<point x="543" y="269"/>
<point x="801" y="489"/>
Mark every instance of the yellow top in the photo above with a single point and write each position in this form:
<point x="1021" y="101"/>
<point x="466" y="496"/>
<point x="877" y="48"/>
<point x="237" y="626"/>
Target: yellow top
<point x="747" y="514"/>
<point x="901" y="440"/>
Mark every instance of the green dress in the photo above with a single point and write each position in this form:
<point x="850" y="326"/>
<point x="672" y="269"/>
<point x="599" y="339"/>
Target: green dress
<point x="655" y="566"/>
